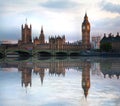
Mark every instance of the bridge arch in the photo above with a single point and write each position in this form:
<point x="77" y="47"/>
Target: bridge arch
<point x="74" y="54"/>
<point x="21" y="53"/>
<point x="1" y="55"/>
<point x="24" y="53"/>
<point x="43" y="53"/>
<point x="61" y="54"/>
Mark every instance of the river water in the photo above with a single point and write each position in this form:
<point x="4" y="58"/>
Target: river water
<point x="76" y="81"/>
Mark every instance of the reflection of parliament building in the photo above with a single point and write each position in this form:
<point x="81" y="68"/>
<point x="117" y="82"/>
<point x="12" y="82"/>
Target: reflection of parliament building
<point x="57" y="42"/>
<point x="111" y="69"/>
<point x="54" y="68"/>
<point x="59" y="67"/>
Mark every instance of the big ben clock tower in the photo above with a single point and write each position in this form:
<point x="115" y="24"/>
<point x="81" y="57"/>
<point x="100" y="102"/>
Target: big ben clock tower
<point x="86" y="33"/>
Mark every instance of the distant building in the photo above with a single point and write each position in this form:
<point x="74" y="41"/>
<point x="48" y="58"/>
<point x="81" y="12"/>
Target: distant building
<point x="96" y="42"/>
<point x="7" y="42"/>
<point x="114" y="41"/>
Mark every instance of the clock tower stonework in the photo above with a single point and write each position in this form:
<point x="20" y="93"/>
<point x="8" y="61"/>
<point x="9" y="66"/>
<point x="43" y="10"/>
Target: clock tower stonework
<point x="86" y="33"/>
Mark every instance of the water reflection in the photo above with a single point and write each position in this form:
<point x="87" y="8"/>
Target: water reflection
<point x="55" y="68"/>
<point x="26" y="76"/>
<point x="106" y="68"/>
<point x="110" y="68"/>
<point x="86" y="78"/>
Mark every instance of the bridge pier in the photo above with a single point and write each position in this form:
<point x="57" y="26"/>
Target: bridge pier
<point x="2" y="54"/>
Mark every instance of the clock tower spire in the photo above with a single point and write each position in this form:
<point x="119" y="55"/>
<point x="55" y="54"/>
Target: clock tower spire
<point x="86" y="33"/>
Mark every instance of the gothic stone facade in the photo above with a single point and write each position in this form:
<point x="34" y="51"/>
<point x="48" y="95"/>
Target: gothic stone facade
<point x="57" y="42"/>
<point x="26" y="35"/>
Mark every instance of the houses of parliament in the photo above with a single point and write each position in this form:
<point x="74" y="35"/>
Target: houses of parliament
<point x="55" y="42"/>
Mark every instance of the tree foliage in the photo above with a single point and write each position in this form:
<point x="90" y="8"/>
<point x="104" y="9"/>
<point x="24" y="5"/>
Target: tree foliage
<point x="106" y="47"/>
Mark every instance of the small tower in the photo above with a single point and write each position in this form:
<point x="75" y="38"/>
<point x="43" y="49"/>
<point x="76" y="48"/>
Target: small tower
<point x="86" y="78"/>
<point x="86" y="33"/>
<point x="36" y="41"/>
<point x="42" y="37"/>
<point x="26" y="34"/>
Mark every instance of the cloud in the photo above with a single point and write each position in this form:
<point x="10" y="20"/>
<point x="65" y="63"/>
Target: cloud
<point x="59" y="4"/>
<point x="106" y="25"/>
<point x="11" y="2"/>
<point x="110" y="7"/>
<point x="57" y="17"/>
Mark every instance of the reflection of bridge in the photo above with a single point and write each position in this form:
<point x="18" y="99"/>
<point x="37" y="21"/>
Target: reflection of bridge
<point x="66" y="63"/>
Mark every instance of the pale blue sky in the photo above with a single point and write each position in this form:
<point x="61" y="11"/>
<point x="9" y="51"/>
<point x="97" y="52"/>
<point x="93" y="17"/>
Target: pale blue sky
<point x="58" y="17"/>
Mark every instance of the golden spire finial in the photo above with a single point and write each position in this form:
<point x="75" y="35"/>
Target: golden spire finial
<point x="42" y="29"/>
<point x="26" y="21"/>
<point x="86" y="17"/>
<point x="85" y="12"/>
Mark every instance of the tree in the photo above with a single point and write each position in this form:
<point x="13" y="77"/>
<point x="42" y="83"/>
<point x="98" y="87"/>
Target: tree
<point x="106" y="47"/>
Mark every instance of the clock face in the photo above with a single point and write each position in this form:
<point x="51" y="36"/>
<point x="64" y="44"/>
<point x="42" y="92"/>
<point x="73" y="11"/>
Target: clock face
<point x="88" y="27"/>
<point x="83" y="27"/>
<point x="83" y="83"/>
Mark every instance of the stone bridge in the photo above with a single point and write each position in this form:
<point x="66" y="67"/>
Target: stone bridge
<point x="32" y="51"/>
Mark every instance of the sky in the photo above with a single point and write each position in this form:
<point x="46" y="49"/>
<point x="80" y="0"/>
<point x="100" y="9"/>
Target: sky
<point x="58" y="17"/>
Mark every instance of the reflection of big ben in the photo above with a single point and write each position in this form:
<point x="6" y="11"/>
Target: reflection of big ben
<point x="86" y="33"/>
<point x="86" y="78"/>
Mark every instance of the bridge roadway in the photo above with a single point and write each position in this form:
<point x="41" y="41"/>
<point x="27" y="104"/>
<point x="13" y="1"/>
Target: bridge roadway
<point x="30" y="50"/>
